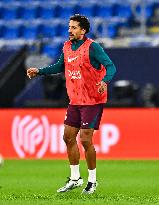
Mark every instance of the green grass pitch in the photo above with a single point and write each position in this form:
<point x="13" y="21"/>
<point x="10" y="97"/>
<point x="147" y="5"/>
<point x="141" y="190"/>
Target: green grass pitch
<point x="121" y="182"/>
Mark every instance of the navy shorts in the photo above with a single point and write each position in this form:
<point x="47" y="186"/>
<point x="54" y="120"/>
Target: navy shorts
<point x="84" y="116"/>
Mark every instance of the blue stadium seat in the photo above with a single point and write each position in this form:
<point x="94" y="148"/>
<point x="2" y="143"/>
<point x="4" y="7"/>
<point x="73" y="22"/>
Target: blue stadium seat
<point x="25" y="1"/>
<point x="112" y="30"/>
<point x="148" y="11"/>
<point x="30" y="32"/>
<point x="8" y="1"/>
<point x="109" y="30"/>
<point x="86" y="9"/>
<point x="49" y="30"/>
<point x="123" y="11"/>
<point x="66" y="10"/>
<point x="47" y="12"/>
<point x="11" y="32"/>
<point x="1" y="30"/>
<point x="9" y="13"/>
<point x="63" y="30"/>
<point x="29" y="13"/>
<point x="104" y="11"/>
<point x="99" y="29"/>
<point x="52" y="49"/>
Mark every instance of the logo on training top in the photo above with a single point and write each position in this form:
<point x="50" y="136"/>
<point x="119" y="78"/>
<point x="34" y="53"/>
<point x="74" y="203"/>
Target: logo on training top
<point x="75" y="74"/>
<point x="72" y="59"/>
<point x="30" y="135"/>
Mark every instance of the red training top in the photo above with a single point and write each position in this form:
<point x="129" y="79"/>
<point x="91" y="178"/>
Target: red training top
<point x="81" y="76"/>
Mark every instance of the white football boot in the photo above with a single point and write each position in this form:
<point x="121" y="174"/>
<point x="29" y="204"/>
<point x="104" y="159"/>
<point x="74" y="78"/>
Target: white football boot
<point x="71" y="184"/>
<point x="90" y="188"/>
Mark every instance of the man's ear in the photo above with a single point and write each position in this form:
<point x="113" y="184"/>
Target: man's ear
<point x="83" y="31"/>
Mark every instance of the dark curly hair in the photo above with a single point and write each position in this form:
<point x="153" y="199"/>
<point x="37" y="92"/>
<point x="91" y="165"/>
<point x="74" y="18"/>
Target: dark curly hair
<point x="83" y="21"/>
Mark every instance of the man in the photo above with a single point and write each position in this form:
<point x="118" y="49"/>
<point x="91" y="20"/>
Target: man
<point x="88" y="70"/>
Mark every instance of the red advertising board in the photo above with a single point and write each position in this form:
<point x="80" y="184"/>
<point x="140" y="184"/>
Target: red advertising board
<point x="38" y="133"/>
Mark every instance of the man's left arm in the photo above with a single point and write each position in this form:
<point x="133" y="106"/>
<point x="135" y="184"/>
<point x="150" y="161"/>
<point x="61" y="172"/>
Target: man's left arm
<point x="99" y="55"/>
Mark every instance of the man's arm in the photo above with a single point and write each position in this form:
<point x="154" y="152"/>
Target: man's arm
<point x="98" y="53"/>
<point x="52" y="69"/>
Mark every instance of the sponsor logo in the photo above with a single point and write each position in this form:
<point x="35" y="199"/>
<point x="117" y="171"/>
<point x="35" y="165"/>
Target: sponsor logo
<point x="34" y="136"/>
<point x="74" y="74"/>
<point x="110" y="136"/>
<point x="72" y="59"/>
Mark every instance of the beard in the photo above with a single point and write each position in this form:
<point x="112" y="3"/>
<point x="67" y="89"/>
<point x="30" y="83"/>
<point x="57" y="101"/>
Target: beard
<point x="72" y="38"/>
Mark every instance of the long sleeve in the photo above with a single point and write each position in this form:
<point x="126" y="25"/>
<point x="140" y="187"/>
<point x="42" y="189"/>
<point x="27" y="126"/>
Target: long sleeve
<point x="98" y="56"/>
<point x="54" y="68"/>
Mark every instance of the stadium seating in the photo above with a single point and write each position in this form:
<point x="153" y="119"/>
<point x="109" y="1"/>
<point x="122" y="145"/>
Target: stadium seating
<point x="9" y="13"/>
<point x="53" y="17"/>
<point x="47" y="12"/>
<point x="28" y="13"/>
<point x="31" y="20"/>
<point x="66" y="10"/>
<point x="30" y="31"/>
<point x="86" y="9"/>
<point x="148" y="10"/>
<point x="42" y="25"/>
<point x="123" y="11"/>
<point x="104" y="11"/>
<point x="52" y="49"/>
<point x="8" y="1"/>
<point x="63" y="30"/>
<point x="112" y="30"/>
<point x="1" y="31"/>
<point x="11" y="32"/>
<point x="49" y="30"/>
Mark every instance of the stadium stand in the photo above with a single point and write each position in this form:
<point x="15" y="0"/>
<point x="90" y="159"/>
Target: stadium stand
<point x="110" y="17"/>
<point x="9" y="13"/>
<point x="12" y="74"/>
<point x="47" y="12"/>
<point x="30" y="93"/>
<point x="42" y="26"/>
<point x="29" y="31"/>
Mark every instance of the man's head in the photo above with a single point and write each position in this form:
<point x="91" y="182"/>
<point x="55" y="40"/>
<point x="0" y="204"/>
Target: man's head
<point x="78" y="26"/>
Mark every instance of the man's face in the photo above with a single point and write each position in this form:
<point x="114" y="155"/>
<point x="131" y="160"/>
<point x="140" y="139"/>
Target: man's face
<point x="75" y="31"/>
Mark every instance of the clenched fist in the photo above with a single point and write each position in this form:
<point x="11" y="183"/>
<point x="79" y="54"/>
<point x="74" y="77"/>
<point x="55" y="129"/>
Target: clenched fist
<point x="32" y="72"/>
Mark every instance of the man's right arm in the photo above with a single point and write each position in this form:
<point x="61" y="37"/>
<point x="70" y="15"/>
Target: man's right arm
<point x="54" y="68"/>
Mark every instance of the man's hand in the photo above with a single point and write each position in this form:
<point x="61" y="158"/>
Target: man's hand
<point x="32" y="72"/>
<point x="102" y="87"/>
